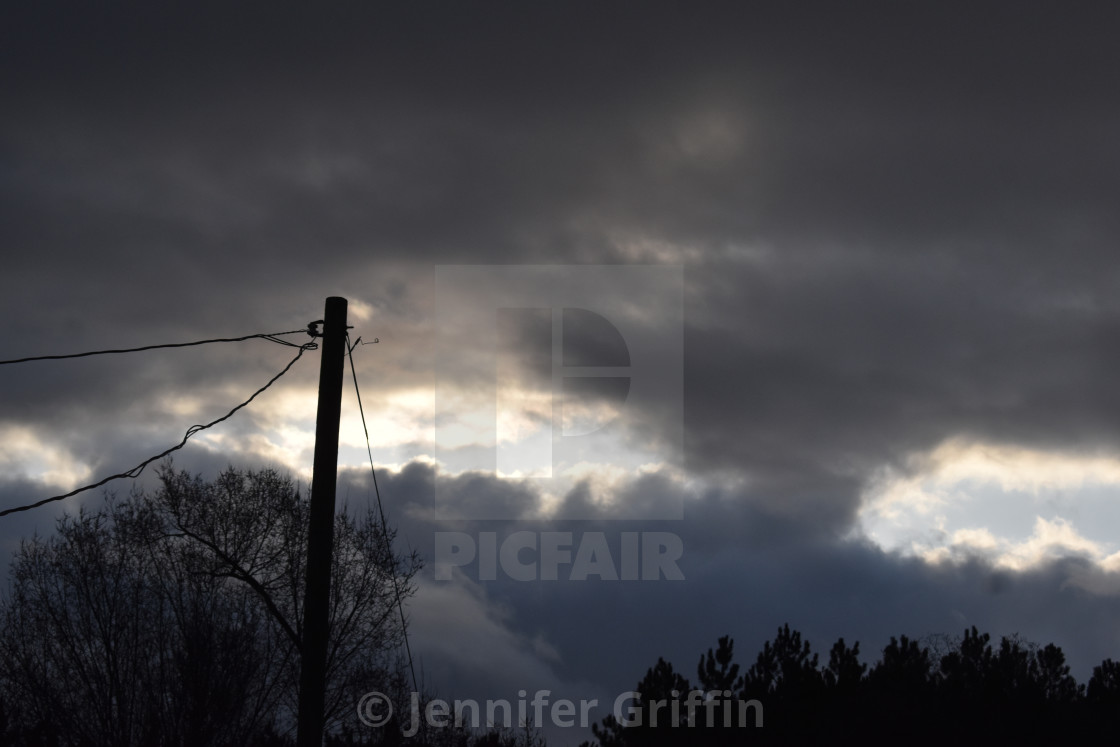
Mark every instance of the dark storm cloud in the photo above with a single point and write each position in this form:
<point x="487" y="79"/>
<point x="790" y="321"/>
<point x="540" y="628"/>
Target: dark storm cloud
<point x="876" y="360"/>
<point x="873" y="144"/>
<point x="460" y="132"/>
<point x="933" y="190"/>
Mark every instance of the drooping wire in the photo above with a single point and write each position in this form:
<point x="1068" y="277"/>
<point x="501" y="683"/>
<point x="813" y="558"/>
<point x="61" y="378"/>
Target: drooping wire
<point x="271" y="337"/>
<point x="381" y="511"/>
<point x="135" y="471"/>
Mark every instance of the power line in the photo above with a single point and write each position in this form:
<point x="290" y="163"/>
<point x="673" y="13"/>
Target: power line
<point x="381" y="510"/>
<point x="135" y="471"/>
<point x="270" y="336"/>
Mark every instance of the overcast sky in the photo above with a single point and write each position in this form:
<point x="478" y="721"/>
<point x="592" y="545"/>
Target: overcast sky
<point x="893" y="229"/>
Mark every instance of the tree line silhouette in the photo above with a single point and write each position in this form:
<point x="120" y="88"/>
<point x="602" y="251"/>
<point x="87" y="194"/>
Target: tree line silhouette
<point x="969" y="692"/>
<point x="174" y="618"/>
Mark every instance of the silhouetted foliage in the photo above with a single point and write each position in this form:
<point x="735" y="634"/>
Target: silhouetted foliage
<point x="785" y="668"/>
<point x="970" y="693"/>
<point x="845" y="671"/>
<point x="1055" y="682"/>
<point x="717" y="672"/>
<point x="905" y="667"/>
<point x="175" y="618"/>
<point x="1104" y="685"/>
<point x="660" y="694"/>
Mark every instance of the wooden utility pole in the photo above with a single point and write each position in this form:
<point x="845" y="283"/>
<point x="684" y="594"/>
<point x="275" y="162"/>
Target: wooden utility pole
<point x="320" y="535"/>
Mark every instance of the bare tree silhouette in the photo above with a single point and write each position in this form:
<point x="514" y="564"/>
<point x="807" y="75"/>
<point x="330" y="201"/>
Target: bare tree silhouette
<point x="174" y="618"/>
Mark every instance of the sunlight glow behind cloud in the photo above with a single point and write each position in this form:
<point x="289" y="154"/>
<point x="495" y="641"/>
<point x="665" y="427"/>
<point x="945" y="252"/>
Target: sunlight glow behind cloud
<point x="1015" y="507"/>
<point x="26" y="454"/>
